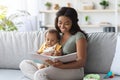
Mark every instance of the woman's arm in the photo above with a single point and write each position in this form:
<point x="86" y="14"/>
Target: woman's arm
<point x="81" y="46"/>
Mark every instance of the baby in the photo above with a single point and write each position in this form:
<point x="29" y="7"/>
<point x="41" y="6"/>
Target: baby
<point x="51" y="46"/>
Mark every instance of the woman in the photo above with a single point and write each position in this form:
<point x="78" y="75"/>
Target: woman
<point x="73" y="39"/>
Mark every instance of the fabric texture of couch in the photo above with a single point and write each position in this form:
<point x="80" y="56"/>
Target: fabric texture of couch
<point x="16" y="46"/>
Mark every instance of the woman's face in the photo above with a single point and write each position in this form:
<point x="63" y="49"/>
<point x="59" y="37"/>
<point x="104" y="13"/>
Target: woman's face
<point x="64" y="24"/>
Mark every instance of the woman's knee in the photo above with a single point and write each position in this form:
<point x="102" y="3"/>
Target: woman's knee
<point x="23" y="63"/>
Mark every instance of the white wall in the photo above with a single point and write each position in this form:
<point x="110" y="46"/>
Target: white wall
<point x="34" y="6"/>
<point x="95" y="17"/>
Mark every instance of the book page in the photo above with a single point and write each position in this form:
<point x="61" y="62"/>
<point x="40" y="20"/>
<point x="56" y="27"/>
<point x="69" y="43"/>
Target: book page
<point x="64" y="58"/>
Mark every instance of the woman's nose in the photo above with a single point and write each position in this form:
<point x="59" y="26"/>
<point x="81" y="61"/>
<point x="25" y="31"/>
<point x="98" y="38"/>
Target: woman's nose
<point x="62" y="25"/>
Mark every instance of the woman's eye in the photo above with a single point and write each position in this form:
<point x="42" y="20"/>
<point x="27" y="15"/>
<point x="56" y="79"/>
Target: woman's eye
<point x="67" y="24"/>
<point x="59" y="23"/>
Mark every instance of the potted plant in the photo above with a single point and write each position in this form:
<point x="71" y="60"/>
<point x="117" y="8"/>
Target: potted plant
<point x="7" y="22"/>
<point x="87" y="19"/>
<point x="48" y="5"/>
<point x="104" y="4"/>
<point x="118" y="5"/>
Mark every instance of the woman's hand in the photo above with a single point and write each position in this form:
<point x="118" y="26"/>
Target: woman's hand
<point x="55" y="64"/>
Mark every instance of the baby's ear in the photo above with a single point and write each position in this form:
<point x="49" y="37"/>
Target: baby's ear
<point x="58" y="41"/>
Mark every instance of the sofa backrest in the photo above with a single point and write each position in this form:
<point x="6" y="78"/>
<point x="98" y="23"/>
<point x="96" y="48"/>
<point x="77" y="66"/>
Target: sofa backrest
<point x="15" y="46"/>
<point x="100" y="53"/>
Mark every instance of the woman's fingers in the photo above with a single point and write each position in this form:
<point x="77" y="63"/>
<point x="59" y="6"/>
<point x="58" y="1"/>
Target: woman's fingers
<point x="49" y="62"/>
<point x="55" y="64"/>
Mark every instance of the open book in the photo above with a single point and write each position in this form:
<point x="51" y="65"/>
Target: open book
<point x="64" y="58"/>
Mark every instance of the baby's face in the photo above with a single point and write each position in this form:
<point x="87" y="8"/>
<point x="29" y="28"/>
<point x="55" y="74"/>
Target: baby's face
<point x="51" y="39"/>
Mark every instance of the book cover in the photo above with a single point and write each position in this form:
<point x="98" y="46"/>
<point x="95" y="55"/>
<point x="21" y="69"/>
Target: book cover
<point x="64" y="58"/>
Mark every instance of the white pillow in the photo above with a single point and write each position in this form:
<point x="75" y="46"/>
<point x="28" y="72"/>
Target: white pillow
<point x="115" y="67"/>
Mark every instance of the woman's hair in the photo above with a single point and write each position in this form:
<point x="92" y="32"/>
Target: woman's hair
<point x="71" y="13"/>
<point x="53" y="31"/>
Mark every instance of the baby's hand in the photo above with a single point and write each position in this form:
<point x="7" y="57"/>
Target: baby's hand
<point x="57" y="53"/>
<point x="41" y="66"/>
<point x="48" y="53"/>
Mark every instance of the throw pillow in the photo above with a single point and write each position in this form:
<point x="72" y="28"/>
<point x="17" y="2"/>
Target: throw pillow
<point x="115" y="67"/>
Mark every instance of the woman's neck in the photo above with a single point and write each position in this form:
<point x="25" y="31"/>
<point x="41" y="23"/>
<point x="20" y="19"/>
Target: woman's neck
<point x="65" y="37"/>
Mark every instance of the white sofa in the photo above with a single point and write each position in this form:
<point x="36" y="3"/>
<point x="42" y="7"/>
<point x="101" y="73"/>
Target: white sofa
<point x="15" y="46"/>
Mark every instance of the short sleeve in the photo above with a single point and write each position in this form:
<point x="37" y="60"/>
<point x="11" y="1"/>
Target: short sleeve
<point x="58" y="47"/>
<point x="41" y="49"/>
<point x="70" y="45"/>
<point x="79" y="35"/>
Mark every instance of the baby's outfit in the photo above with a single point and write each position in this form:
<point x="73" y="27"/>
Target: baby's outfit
<point x="45" y="49"/>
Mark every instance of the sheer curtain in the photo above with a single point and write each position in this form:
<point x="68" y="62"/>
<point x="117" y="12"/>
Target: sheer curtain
<point x="31" y="6"/>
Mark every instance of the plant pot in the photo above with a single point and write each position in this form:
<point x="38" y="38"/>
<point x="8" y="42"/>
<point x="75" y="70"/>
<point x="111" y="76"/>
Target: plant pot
<point x="48" y="8"/>
<point x="87" y="22"/>
<point x="104" y="7"/>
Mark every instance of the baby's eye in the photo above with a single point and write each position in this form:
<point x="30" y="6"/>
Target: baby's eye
<point x="47" y="39"/>
<point x="52" y="40"/>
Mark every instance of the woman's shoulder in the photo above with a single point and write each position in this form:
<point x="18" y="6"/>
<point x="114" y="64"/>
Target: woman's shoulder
<point x="79" y="35"/>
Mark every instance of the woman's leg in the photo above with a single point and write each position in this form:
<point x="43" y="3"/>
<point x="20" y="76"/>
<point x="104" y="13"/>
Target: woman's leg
<point x="28" y="68"/>
<point x="59" y="74"/>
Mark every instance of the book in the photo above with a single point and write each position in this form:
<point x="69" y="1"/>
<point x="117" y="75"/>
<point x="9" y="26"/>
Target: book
<point x="64" y="58"/>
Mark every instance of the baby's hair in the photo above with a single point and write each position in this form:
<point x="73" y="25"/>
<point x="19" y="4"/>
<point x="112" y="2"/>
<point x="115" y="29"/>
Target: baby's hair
<point x="53" y="31"/>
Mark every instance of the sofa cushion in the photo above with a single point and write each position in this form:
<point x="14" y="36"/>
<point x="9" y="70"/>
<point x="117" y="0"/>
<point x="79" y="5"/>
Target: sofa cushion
<point x="15" y="46"/>
<point x="100" y="53"/>
<point x="7" y="74"/>
<point x="115" y="67"/>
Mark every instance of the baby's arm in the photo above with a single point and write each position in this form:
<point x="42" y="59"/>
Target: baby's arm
<point x="41" y="49"/>
<point x="57" y="53"/>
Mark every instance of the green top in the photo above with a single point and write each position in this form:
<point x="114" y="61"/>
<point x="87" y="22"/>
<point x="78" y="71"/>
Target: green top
<point x="70" y="45"/>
